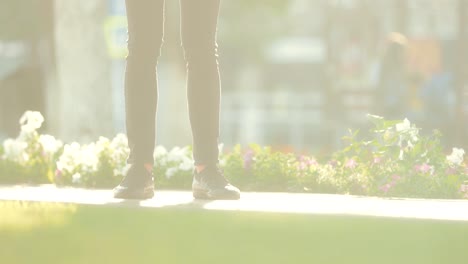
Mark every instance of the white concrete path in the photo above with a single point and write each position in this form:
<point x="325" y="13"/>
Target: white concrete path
<point x="259" y="202"/>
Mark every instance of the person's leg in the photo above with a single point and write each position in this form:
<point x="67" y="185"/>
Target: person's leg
<point x="198" y="33"/>
<point x="145" y="34"/>
<point x="198" y="27"/>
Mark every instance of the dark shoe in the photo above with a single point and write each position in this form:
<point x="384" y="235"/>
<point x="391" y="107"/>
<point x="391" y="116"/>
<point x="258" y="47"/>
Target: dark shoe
<point x="138" y="184"/>
<point x="210" y="184"/>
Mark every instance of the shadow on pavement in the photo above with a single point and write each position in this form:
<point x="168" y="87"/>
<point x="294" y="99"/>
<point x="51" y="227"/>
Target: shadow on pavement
<point x="181" y="200"/>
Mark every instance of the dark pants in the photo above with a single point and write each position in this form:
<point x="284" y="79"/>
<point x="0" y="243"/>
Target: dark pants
<point x="145" y="37"/>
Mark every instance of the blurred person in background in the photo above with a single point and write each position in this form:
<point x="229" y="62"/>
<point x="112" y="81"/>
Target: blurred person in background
<point x="145" y="36"/>
<point x="439" y="98"/>
<point x="393" y="84"/>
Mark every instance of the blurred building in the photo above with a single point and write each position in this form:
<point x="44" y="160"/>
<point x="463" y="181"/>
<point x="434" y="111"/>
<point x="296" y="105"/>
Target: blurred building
<point x="296" y="74"/>
<point x="321" y="74"/>
<point x="25" y="45"/>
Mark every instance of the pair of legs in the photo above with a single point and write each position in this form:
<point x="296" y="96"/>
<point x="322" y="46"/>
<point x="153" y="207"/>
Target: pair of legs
<point x="145" y="37"/>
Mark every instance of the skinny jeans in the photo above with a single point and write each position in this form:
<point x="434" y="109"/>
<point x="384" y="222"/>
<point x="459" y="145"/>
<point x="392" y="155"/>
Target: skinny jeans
<point x="145" y="37"/>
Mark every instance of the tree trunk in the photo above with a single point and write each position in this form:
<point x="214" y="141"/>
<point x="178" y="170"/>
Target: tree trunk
<point x="83" y="96"/>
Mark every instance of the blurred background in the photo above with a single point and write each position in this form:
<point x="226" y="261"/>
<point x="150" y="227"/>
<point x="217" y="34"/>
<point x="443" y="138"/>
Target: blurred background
<point x="296" y="74"/>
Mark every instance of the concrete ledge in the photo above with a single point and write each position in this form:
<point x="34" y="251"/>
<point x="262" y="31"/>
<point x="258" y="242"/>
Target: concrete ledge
<point x="456" y="210"/>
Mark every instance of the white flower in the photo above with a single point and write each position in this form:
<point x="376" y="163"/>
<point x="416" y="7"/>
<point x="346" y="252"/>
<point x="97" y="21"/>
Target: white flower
<point x="74" y="156"/>
<point x="186" y="164"/>
<point x="222" y="162"/>
<point x="401" y="156"/>
<point x="76" y="178"/>
<point x="177" y="154"/>
<point x="159" y="152"/>
<point x="410" y="145"/>
<point x="26" y="130"/>
<point x="119" y="149"/>
<point x="70" y="157"/>
<point x="161" y="162"/>
<point x="220" y="147"/>
<point x="170" y="172"/>
<point x="120" y="140"/>
<point x="121" y="170"/>
<point x="160" y="155"/>
<point x="414" y="134"/>
<point x="31" y="120"/>
<point x="102" y="144"/>
<point x="407" y="131"/>
<point x="119" y="156"/>
<point x="15" y="150"/>
<point x="50" y="144"/>
<point x="89" y="157"/>
<point x="403" y="126"/>
<point x="456" y="158"/>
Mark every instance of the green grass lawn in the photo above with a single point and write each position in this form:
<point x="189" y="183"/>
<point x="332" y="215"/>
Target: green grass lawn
<point x="58" y="233"/>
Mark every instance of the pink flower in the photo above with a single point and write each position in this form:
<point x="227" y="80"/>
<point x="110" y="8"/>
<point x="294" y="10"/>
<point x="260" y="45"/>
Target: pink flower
<point x="464" y="190"/>
<point x="305" y="162"/>
<point x="424" y="168"/>
<point x="248" y="158"/>
<point x="333" y="163"/>
<point x="385" y="188"/>
<point x="450" y="171"/>
<point x="58" y="175"/>
<point x="302" y="166"/>
<point x="351" y="164"/>
<point x="377" y="160"/>
<point x="396" y="177"/>
<point x="312" y="161"/>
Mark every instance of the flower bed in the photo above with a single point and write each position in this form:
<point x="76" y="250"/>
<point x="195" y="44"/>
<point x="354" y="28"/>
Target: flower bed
<point x="394" y="161"/>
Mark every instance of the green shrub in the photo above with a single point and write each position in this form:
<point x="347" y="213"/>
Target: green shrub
<point x="393" y="161"/>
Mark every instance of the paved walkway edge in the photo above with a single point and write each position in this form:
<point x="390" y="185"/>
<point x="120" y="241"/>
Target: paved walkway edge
<point x="300" y="203"/>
